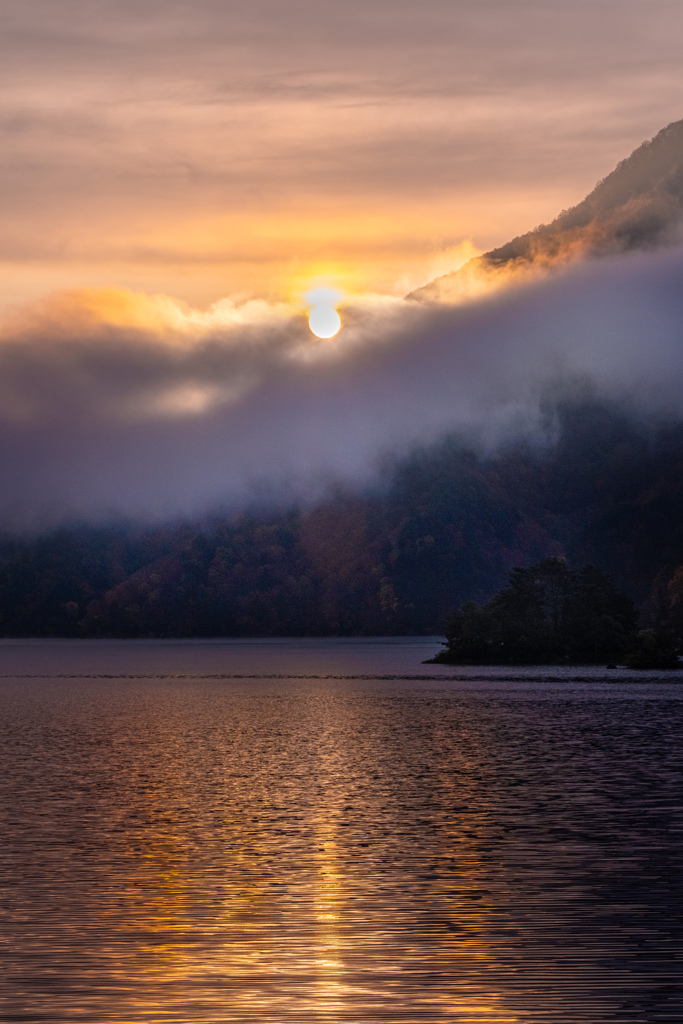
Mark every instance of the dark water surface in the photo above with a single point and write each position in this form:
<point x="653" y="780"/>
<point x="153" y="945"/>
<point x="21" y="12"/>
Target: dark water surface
<point x="331" y="831"/>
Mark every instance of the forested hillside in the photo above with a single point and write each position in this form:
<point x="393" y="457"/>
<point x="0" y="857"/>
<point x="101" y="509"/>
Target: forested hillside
<point x="639" y="205"/>
<point x="446" y="525"/>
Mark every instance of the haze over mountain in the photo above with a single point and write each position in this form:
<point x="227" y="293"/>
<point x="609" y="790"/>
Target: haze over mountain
<point x="121" y="403"/>
<point x="639" y="206"/>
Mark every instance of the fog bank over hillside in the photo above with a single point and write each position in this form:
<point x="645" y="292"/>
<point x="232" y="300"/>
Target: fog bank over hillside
<point x="135" y="405"/>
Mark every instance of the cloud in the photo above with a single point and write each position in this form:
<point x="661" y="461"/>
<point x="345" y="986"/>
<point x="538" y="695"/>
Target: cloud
<point x="204" y="146"/>
<point x="115" y="402"/>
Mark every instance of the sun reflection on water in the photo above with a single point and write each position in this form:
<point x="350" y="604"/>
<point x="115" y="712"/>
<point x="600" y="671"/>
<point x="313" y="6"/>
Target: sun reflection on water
<point x="282" y="851"/>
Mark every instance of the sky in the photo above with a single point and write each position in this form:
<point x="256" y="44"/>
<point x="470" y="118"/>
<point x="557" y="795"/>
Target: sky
<point x="176" y="178"/>
<point x="214" y="149"/>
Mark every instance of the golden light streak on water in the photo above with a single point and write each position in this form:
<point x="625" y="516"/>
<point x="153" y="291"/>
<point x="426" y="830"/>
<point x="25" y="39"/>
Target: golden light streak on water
<point x="330" y="846"/>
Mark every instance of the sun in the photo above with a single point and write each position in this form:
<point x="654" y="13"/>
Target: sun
<point x="324" y="320"/>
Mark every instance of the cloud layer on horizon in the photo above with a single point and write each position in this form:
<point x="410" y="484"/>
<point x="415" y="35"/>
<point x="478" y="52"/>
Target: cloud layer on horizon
<point x="118" y="403"/>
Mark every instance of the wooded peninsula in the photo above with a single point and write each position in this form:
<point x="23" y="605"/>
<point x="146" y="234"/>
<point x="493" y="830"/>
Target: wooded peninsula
<point x="549" y="614"/>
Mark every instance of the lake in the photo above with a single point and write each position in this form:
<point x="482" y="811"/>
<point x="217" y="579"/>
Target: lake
<point x="331" y="831"/>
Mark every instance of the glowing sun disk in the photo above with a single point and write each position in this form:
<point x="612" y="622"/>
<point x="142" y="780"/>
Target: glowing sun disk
<point x="324" y="320"/>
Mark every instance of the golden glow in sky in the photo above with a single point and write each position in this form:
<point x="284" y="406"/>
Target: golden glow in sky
<point x="208" y="150"/>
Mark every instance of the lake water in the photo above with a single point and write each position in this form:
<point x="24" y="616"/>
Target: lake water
<point x="329" y="830"/>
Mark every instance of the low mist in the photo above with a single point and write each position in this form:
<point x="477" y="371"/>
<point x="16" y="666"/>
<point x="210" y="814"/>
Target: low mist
<point x="119" y="404"/>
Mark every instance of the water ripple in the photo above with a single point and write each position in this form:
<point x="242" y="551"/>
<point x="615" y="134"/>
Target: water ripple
<point x="328" y="849"/>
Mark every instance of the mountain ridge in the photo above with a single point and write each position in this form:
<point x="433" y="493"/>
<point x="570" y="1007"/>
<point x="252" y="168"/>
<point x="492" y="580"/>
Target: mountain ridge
<point x="638" y="205"/>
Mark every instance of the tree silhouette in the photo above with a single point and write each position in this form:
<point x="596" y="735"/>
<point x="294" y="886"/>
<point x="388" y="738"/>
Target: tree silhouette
<point x="547" y="613"/>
